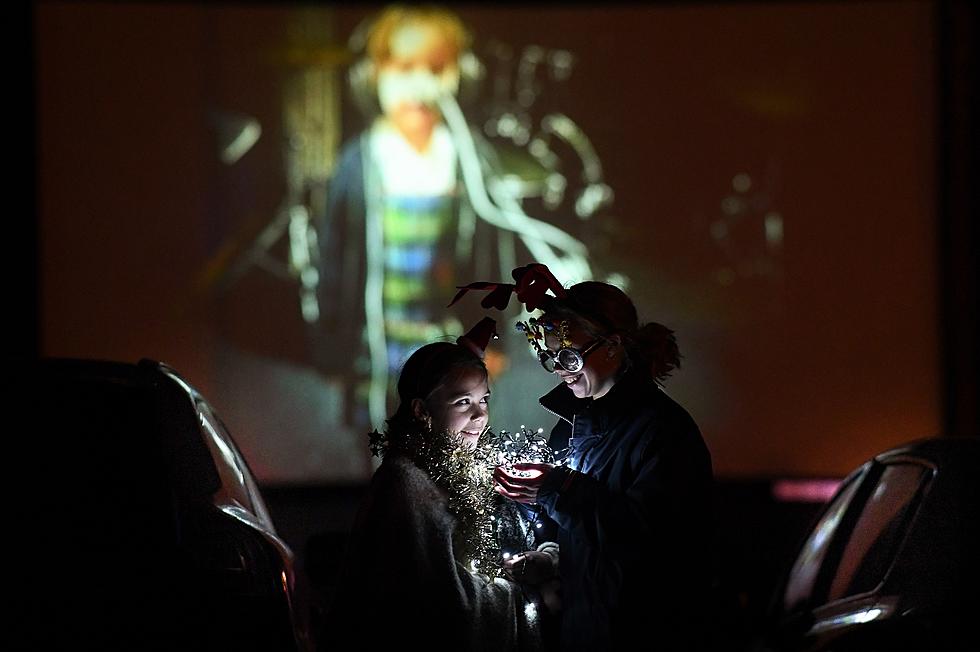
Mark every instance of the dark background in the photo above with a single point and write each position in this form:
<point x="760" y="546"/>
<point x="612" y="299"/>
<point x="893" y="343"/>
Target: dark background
<point x="855" y="120"/>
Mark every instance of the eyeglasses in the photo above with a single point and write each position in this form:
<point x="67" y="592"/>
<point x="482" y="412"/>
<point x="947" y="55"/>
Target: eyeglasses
<point x="568" y="358"/>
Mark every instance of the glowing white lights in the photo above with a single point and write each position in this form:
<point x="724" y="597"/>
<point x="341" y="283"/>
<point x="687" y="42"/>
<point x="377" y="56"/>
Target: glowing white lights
<point x="531" y="611"/>
<point x="522" y="446"/>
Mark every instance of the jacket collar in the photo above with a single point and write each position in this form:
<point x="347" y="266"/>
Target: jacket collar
<point x="561" y="402"/>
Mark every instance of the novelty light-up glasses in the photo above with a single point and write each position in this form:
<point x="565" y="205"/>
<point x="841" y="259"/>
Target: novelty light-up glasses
<point x="567" y="357"/>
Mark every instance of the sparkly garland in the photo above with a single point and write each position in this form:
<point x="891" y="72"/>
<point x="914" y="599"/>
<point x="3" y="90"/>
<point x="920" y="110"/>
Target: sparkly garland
<point x="466" y="474"/>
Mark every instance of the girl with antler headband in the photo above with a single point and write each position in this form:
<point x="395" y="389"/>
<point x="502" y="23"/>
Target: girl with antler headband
<point x="424" y="567"/>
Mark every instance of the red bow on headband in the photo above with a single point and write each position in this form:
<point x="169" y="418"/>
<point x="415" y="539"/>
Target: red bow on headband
<point x="531" y="282"/>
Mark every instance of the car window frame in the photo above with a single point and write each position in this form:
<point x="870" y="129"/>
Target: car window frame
<point x="868" y="477"/>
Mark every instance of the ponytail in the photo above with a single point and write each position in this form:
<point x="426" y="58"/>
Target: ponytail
<point x="653" y="348"/>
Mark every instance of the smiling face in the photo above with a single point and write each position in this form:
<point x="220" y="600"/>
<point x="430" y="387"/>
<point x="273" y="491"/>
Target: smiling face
<point x="460" y="404"/>
<point x="602" y="365"/>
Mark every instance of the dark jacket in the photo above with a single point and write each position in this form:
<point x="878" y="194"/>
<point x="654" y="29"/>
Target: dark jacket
<point x="633" y="508"/>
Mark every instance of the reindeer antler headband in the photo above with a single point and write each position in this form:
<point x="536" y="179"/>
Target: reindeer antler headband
<point x="531" y="284"/>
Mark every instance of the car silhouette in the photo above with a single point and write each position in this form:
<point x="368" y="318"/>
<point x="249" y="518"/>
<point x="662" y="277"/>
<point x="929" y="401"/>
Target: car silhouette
<point x="891" y="563"/>
<point x="145" y="527"/>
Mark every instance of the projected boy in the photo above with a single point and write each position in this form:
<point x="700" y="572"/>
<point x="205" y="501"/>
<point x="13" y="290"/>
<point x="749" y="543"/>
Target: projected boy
<point x="408" y="214"/>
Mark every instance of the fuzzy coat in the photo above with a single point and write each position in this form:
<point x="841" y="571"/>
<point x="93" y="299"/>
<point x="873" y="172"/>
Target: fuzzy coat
<point x="403" y="587"/>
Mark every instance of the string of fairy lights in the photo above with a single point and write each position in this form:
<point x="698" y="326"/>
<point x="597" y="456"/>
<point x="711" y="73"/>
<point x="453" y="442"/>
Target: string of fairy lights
<point x="466" y="474"/>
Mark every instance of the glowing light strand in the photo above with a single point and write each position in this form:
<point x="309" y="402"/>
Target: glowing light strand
<point x="466" y="474"/>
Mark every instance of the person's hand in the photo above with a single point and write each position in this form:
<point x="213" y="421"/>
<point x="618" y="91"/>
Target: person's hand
<point x="550" y="593"/>
<point x="522" y="484"/>
<point x="531" y="567"/>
